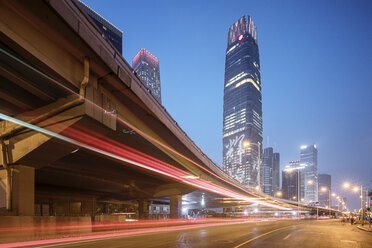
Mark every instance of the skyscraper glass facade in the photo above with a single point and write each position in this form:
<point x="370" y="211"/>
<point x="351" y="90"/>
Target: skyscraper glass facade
<point x="293" y="180"/>
<point x="109" y="31"/>
<point x="324" y="180"/>
<point x="309" y="157"/>
<point x="276" y="170"/>
<point x="242" y="109"/>
<point x="267" y="171"/>
<point x="270" y="171"/>
<point x="146" y="66"/>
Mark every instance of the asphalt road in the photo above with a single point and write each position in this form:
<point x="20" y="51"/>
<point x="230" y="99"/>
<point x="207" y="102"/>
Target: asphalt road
<point x="286" y="234"/>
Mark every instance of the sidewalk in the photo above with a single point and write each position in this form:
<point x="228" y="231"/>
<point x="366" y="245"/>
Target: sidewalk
<point x="365" y="228"/>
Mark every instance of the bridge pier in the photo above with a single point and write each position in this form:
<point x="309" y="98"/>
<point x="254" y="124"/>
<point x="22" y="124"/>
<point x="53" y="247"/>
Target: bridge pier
<point x="22" y="191"/>
<point x="143" y="209"/>
<point x="175" y="206"/>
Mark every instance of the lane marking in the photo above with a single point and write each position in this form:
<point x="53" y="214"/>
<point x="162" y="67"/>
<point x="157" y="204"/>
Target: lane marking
<point x="259" y="236"/>
<point x="287" y="236"/>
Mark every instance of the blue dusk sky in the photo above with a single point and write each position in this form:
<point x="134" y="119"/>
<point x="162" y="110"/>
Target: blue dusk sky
<point x="316" y="70"/>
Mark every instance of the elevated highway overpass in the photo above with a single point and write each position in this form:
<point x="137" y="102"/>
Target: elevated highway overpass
<point x="79" y="129"/>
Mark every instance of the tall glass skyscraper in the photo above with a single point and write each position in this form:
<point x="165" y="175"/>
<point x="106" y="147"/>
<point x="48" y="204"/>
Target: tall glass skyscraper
<point x="270" y="171"/>
<point x="324" y="180"/>
<point x="242" y="108"/>
<point x="293" y="181"/>
<point x="109" y="31"/>
<point x="309" y="157"/>
<point x="146" y="66"/>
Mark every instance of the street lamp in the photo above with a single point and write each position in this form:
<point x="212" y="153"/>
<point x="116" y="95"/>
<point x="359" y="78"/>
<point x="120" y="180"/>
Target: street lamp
<point x="346" y="185"/>
<point x="279" y="193"/>
<point x="356" y="189"/>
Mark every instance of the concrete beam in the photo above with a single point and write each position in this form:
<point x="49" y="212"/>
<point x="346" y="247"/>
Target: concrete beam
<point x="172" y="189"/>
<point x="29" y="147"/>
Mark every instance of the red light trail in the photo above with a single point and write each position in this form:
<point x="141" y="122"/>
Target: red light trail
<point x="118" y="151"/>
<point x="180" y="225"/>
<point x="126" y="154"/>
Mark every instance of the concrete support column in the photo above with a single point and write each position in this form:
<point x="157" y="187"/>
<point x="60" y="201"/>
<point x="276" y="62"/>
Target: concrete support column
<point x="175" y="206"/>
<point x="22" y="190"/>
<point x="143" y="209"/>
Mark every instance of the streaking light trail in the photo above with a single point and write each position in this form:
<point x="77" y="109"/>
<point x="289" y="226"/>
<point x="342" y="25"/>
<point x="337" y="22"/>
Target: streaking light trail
<point x="126" y="154"/>
<point x="126" y="123"/>
<point x="123" y="233"/>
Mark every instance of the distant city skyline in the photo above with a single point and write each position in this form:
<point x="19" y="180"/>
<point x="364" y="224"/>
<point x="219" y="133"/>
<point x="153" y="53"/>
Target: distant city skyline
<point x="304" y="92"/>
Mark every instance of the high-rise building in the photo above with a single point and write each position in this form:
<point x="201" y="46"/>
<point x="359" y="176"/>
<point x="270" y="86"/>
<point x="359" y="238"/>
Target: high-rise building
<point x="309" y="157"/>
<point x="324" y="180"/>
<point x="242" y="107"/>
<point x="270" y="171"/>
<point x="146" y="66"/>
<point x="276" y="171"/>
<point x="293" y="181"/>
<point x="108" y="30"/>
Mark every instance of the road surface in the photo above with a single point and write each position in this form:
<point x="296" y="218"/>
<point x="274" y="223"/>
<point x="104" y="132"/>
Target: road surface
<point x="278" y="234"/>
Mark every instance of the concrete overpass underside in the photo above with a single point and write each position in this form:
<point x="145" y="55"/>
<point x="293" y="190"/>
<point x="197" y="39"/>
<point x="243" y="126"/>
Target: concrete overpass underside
<point x="78" y="127"/>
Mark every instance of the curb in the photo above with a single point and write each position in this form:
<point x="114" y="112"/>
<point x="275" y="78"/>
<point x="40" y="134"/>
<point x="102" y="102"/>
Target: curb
<point x="364" y="229"/>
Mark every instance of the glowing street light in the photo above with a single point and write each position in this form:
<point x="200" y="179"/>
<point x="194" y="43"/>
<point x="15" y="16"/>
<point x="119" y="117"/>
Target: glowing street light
<point x="356" y="189"/>
<point x="333" y="194"/>
<point x="310" y="182"/>
<point x="279" y="193"/>
<point x="246" y="144"/>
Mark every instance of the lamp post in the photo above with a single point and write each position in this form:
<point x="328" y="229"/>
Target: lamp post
<point x="356" y="189"/>
<point x="247" y="144"/>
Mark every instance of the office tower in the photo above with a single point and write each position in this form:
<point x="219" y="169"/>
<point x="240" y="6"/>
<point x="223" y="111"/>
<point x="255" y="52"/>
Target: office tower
<point x="242" y="107"/>
<point x="276" y="171"/>
<point x="309" y="157"/>
<point x="293" y="181"/>
<point x="270" y="171"/>
<point x="109" y="31"/>
<point x="146" y="66"/>
<point x="324" y="180"/>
